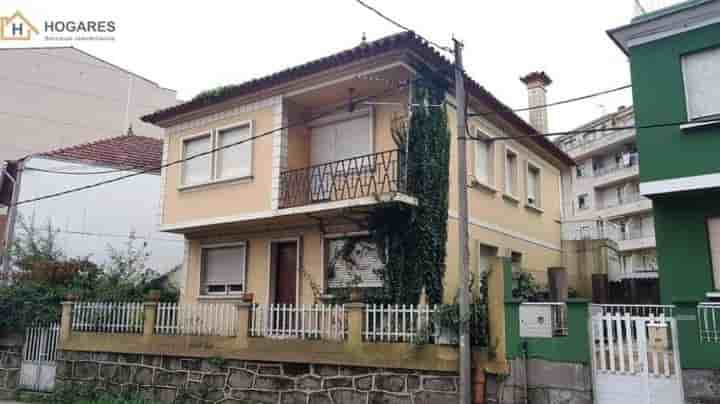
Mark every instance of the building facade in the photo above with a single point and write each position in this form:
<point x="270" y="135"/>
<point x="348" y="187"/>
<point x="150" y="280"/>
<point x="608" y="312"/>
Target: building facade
<point x="602" y="201"/>
<point x="675" y="63"/>
<point x="267" y="217"/>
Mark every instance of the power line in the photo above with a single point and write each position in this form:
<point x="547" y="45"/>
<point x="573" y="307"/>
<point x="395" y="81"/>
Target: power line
<point x="401" y="26"/>
<point x="115" y="170"/>
<point x="567" y="101"/>
<point x="154" y="169"/>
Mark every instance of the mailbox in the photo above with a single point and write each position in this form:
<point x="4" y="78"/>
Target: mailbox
<point x="536" y="321"/>
<point x="658" y="336"/>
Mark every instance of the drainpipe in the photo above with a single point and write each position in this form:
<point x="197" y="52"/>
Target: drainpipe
<point x="12" y="214"/>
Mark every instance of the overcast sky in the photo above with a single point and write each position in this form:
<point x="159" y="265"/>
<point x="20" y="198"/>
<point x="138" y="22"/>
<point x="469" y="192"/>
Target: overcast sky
<point x="192" y="46"/>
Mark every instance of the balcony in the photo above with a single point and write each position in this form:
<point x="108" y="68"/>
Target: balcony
<point x="636" y="239"/>
<point x="584" y="146"/>
<point x="370" y="175"/>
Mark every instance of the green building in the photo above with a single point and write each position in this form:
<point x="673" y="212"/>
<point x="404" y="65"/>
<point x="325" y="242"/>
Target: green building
<point x="675" y="66"/>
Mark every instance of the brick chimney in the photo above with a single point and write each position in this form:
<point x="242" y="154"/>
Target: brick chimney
<point x="536" y="83"/>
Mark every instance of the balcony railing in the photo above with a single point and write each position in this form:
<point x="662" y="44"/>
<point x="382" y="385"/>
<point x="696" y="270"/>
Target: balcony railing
<point x="604" y="138"/>
<point x="634" y="234"/>
<point x="627" y="199"/>
<point x="634" y="162"/>
<point x="356" y="177"/>
<point x="709" y="322"/>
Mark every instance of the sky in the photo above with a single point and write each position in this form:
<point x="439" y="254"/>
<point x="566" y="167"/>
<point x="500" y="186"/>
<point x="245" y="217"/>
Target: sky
<point x="193" y="46"/>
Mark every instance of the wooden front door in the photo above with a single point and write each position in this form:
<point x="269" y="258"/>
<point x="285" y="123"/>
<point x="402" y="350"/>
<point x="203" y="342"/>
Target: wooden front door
<point x="286" y="273"/>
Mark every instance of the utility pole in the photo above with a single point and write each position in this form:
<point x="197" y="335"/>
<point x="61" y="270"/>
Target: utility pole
<point x="12" y="214"/>
<point x="463" y="293"/>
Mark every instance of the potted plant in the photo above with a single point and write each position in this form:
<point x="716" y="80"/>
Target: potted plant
<point x="248" y="297"/>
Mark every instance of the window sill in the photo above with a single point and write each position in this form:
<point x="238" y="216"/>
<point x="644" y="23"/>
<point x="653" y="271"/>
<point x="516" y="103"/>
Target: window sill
<point x="238" y="296"/>
<point x="224" y="181"/>
<point x="534" y="208"/>
<point x="511" y="198"/>
<point x="482" y="185"/>
<point x="687" y="127"/>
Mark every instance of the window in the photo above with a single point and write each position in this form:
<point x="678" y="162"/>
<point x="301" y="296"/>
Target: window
<point x="485" y="255"/>
<point x="581" y="169"/>
<point x="511" y="172"/>
<point x="484" y="159"/>
<point x="358" y="267"/>
<point x="714" y="241"/>
<point x="232" y="161"/>
<point x="516" y="261"/>
<point x="700" y="71"/>
<point x="196" y="170"/>
<point x="223" y="269"/>
<point x="340" y="137"/>
<point x="533" y="185"/>
<point x="583" y="202"/>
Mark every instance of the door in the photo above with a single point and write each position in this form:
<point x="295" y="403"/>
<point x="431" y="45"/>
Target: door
<point x="635" y="357"/>
<point x="286" y="273"/>
<point x="37" y="372"/>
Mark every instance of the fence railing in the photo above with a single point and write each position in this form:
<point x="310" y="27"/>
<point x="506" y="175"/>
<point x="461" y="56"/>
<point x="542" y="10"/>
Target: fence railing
<point x="635" y="310"/>
<point x="398" y="323"/>
<point x="590" y="230"/>
<point x="218" y="319"/>
<point x="318" y="321"/>
<point x="108" y="317"/>
<point x="351" y="178"/>
<point x="709" y="322"/>
<point x="41" y="343"/>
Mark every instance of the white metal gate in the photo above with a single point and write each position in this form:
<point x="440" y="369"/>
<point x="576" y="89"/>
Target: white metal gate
<point x="634" y="355"/>
<point x="37" y="372"/>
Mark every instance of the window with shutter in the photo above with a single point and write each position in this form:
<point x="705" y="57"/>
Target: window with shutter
<point x="700" y="71"/>
<point x="196" y="170"/>
<point x="511" y="172"/>
<point x="223" y="269"/>
<point x="714" y="241"/>
<point x="484" y="158"/>
<point x="533" y="185"/>
<point x="234" y="161"/>
<point x="341" y="138"/>
<point x="358" y="268"/>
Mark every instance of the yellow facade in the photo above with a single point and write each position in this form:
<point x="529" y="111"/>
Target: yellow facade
<point x="242" y="210"/>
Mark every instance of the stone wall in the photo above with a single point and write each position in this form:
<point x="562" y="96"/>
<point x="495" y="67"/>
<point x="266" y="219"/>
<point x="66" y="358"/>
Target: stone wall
<point x="548" y="383"/>
<point x="167" y="378"/>
<point x="10" y="359"/>
<point x="702" y="386"/>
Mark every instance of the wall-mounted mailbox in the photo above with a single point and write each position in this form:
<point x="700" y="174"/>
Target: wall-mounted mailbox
<point x="536" y="321"/>
<point x="658" y="336"/>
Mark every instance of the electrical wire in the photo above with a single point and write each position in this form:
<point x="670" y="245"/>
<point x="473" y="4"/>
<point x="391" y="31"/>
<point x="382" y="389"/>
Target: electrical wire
<point x="261" y="135"/>
<point x="112" y="171"/>
<point x="404" y="27"/>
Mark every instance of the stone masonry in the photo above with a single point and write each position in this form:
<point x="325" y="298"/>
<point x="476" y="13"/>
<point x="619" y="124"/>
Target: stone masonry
<point x="10" y="360"/>
<point x="548" y="383"/>
<point x="167" y="379"/>
<point x="702" y="386"/>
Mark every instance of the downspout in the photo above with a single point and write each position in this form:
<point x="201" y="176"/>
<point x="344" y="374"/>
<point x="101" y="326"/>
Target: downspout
<point x="12" y="214"/>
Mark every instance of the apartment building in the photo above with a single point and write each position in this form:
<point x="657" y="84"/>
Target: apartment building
<point x="602" y="200"/>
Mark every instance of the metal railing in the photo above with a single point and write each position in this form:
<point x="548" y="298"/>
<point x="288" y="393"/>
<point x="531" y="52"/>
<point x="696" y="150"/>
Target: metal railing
<point x="356" y="177"/>
<point x="614" y="168"/>
<point x="709" y="322"/>
<point x="109" y="317"/>
<point x="398" y="323"/>
<point x="590" y="230"/>
<point x="41" y="343"/>
<point x="317" y="321"/>
<point x="634" y="234"/>
<point x="216" y="319"/>
<point x="634" y="310"/>
<point x="626" y="199"/>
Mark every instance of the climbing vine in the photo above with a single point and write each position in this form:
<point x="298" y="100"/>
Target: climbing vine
<point x="415" y="237"/>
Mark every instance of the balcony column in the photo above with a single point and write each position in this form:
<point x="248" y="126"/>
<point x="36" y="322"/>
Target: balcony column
<point x="66" y="321"/>
<point x="355" y="321"/>
<point x="243" y="323"/>
<point x="149" y="316"/>
<point x="279" y="150"/>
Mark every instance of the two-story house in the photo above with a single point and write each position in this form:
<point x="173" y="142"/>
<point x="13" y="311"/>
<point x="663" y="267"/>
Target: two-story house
<point x="264" y="216"/>
<point x="675" y="65"/>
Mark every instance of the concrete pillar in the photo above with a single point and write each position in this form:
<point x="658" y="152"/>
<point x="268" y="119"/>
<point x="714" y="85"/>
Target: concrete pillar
<point x="558" y="284"/>
<point x="355" y="321"/>
<point x="243" y="323"/>
<point x="600" y="292"/>
<point x="66" y="321"/>
<point x="150" y="313"/>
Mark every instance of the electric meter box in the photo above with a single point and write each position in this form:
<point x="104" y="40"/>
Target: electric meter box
<point x="536" y="321"/>
<point x="659" y="336"/>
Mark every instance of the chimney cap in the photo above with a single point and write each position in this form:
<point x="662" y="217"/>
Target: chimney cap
<point x="536" y="77"/>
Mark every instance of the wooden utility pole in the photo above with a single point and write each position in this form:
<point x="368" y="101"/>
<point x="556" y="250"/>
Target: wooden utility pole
<point x="463" y="293"/>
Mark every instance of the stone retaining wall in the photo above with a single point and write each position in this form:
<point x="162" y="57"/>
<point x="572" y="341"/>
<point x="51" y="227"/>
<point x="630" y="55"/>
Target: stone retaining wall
<point x="167" y="378"/>
<point x="10" y="359"/>
<point x="548" y="383"/>
<point x="702" y="386"/>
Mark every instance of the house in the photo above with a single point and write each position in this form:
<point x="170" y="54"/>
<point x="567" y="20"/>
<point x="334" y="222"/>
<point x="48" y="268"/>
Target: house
<point x="674" y="57"/>
<point x="16" y="27"/>
<point x="92" y="222"/>
<point x="267" y="217"/>
<point x="57" y="97"/>
<point x="602" y="201"/>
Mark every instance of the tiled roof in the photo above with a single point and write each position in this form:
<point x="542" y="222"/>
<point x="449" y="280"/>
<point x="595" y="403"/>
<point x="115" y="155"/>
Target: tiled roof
<point x="127" y="151"/>
<point x="405" y="40"/>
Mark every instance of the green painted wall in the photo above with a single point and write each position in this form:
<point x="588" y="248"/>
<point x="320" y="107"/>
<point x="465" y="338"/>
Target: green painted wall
<point x="659" y="97"/>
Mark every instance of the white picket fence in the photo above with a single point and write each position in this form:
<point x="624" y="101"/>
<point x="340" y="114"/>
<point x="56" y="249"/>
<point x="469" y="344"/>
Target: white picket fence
<point x="209" y="319"/>
<point x="709" y="322"/>
<point x="109" y="317"/>
<point x="318" y="321"/>
<point x="398" y="323"/>
<point x="641" y="310"/>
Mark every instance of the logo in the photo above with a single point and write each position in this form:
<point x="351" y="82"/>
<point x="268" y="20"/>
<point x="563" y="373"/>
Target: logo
<point x="16" y="28"/>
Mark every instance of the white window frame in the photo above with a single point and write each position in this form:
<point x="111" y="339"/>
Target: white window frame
<point x="227" y="293"/>
<point x="538" y="203"/>
<point x="216" y="144"/>
<point x="213" y="159"/>
<point x="690" y="116"/>
<point x="484" y="138"/>
<point x="506" y="190"/>
<point x="714" y="266"/>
